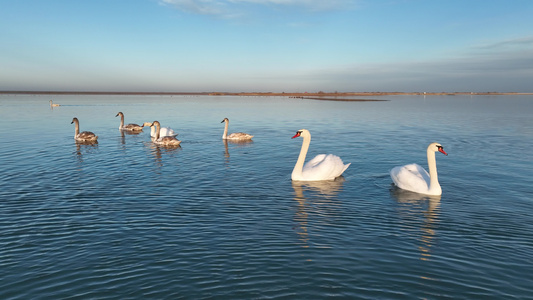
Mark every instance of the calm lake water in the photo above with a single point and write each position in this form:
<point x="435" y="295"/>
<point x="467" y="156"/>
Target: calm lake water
<point x="125" y="219"/>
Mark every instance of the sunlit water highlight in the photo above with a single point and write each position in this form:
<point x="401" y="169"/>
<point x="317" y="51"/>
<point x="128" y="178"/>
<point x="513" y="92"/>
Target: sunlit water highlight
<point x="213" y="220"/>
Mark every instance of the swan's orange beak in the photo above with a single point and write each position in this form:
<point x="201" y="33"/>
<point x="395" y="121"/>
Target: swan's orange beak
<point x="297" y="134"/>
<point x="442" y="151"/>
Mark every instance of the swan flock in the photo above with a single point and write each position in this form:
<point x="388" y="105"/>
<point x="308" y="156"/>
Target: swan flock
<point x="411" y="177"/>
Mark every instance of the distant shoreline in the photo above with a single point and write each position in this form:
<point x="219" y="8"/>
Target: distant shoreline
<point x="318" y="96"/>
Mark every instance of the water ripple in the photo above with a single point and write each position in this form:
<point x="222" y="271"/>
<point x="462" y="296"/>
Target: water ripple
<point x="209" y="220"/>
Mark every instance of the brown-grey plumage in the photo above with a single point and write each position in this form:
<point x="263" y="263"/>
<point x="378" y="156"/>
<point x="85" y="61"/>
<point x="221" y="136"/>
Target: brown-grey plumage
<point x="128" y="127"/>
<point x="84" y="136"/>
<point x="235" y="135"/>
<point x="165" y="140"/>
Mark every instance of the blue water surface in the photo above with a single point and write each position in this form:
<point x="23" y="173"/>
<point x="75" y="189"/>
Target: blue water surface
<point x="125" y="219"/>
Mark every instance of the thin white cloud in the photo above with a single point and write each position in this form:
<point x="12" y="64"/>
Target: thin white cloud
<point x="312" y="5"/>
<point x="503" y="66"/>
<point x="233" y="8"/>
<point x="201" y="7"/>
<point x="523" y="42"/>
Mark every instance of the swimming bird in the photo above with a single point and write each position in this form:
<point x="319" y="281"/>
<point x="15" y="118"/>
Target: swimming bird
<point x="52" y="104"/>
<point x="416" y="179"/>
<point x="165" y="140"/>
<point x="84" y="136"/>
<point x="129" y="127"/>
<point x="163" y="131"/>
<point x="235" y="135"/>
<point x="321" y="167"/>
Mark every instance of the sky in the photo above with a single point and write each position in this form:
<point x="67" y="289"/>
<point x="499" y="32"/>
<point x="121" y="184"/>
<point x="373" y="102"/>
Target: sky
<point x="267" y="45"/>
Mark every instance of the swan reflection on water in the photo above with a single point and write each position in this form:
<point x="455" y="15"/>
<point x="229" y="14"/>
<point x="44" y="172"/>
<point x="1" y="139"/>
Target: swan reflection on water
<point x="157" y="152"/>
<point x="84" y="148"/>
<point x="324" y="187"/>
<point x="411" y="207"/>
<point x="123" y="134"/>
<point x="237" y="143"/>
<point x="321" y="200"/>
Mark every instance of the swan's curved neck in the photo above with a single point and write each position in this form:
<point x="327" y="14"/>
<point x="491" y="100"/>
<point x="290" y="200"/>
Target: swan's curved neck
<point x="298" y="167"/>
<point x="121" y="121"/>
<point x="225" y="134"/>
<point x="157" y="128"/>
<point x="77" y="128"/>
<point x="434" y="185"/>
<point x="152" y="131"/>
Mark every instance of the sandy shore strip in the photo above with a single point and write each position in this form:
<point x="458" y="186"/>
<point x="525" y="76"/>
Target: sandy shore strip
<point x="314" y="96"/>
<point x="342" y="99"/>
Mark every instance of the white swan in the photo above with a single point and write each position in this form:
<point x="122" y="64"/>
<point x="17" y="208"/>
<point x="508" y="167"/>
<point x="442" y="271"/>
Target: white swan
<point x="415" y="179"/>
<point x="163" y="131"/>
<point x="84" y="136"/>
<point x="322" y="167"/>
<point x="165" y="140"/>
<point x="52" y="104"/>
<point x="235" y="135"/>
<point x="129" y="127"/>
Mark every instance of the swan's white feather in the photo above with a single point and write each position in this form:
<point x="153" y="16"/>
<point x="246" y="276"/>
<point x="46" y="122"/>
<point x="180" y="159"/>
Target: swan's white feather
<point x="411" y="177"/>
<point x="165" y="131"/>
<point x="416" y="179"/>
<point x="321" y="167"/>
<point x="324" y="167"/>
<point x="315" y="161"/>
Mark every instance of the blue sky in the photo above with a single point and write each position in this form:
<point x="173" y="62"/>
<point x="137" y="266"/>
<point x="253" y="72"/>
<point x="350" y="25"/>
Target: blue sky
<point x="267" y="45"/>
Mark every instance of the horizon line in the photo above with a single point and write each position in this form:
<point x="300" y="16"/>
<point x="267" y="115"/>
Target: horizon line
<point x="214" y="93"/>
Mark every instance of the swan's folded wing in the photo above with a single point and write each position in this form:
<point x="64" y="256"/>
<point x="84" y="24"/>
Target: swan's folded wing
<point x="132" y="127"/>
<point x="240" y="135"/>
<point x="167" y="131"/>
<point x="315" y="161"/>
<point x="86" y="135"/>
<point x="324" y="167"/>
<point x="410" y="177"/>
<point x="418" y="171"/>
<point x="337" y="165"/>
